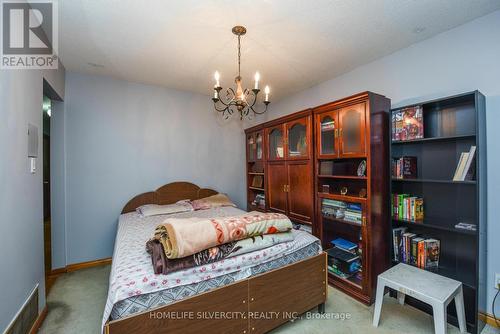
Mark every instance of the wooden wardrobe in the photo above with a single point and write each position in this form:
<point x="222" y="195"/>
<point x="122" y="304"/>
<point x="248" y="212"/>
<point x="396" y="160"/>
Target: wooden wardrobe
<point x="310" y="159"/>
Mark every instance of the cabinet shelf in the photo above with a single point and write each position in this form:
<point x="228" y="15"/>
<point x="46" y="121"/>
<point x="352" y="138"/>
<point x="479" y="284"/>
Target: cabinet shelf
<point x="255" y="188"/>
<point x="349" y="177"/>
<point x="342" y="197"/>
<point x="255" y="173"/>
<point x="341" y="221"/>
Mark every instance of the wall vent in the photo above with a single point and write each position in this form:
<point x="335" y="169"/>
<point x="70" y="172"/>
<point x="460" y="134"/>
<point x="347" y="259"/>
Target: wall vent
<point x="26" y="316"/>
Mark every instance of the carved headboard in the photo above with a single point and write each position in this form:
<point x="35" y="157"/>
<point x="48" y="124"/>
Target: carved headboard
<point x="168" y="194"/>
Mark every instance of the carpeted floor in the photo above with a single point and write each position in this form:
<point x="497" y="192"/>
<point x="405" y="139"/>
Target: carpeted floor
<point x="76" y="304"/>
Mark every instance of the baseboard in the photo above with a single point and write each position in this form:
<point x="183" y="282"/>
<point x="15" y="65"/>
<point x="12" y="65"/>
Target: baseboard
<point x="89" y="264"/>
<point x="489" y="319"/>
<point x="77" y="266"/>
<point x="39" y="321"/>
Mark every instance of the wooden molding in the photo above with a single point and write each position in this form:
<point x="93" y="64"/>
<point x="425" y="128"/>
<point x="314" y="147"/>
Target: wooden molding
<point x="89" y="264"/>
<point x="489" y="319"/>
<point x="39" y="321"/>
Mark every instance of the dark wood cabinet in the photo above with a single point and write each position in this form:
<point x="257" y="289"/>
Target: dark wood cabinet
<point x="352" y="148"/>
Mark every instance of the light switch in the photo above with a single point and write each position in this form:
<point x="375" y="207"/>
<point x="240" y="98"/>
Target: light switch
<point x="32" y="165"/>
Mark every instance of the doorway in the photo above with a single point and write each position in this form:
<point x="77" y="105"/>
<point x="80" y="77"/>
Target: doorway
<point x="46" y="114"/>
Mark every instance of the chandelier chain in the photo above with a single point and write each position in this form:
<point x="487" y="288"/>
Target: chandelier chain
<point x="239" y="57"/>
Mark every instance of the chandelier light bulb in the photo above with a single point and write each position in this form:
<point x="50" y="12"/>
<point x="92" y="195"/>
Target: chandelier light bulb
<point x="257" y="78"/>
<point x="267" y="91"/>
<point x="217" y="77"/>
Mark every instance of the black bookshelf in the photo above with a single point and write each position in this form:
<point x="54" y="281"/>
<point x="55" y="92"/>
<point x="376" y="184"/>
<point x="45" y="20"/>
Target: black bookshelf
<point x="451" y="126"/>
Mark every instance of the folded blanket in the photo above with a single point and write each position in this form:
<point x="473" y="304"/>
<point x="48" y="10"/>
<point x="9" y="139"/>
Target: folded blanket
<point x="182" y="237"/>
<point x="162" y="265"/>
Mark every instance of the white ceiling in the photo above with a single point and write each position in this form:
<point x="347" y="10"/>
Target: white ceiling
<point x="294" y="44"/>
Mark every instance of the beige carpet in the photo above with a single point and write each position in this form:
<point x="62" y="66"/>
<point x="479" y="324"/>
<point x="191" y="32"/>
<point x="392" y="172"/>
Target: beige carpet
<point x="76" y="304"/>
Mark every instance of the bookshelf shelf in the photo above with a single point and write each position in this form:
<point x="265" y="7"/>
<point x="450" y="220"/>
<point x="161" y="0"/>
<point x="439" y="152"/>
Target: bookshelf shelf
<point x="448" y="226"/>
<point x="255" y="173"/>
<point x="451" y="126"/>
<point x="471" y="182"/>
<point x="434" y="139"/>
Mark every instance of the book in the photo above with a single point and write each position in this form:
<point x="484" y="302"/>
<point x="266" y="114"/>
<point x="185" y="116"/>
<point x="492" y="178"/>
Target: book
<point x="432" y="250"/>
<point x="460" y="166"/>
<point x="470" y="158"/>
<point x="404" y="168"/>
<point x="408" y="124"/>
<point x="396" y="240"/>
<point x="344" y="244"/>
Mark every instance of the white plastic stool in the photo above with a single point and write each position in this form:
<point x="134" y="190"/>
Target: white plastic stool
<point x="430" y="288"/>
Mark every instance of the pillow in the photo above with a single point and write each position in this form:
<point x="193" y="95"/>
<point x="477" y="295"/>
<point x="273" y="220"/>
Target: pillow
<point x="212" y="202"/>
<point x="155" y="209"/>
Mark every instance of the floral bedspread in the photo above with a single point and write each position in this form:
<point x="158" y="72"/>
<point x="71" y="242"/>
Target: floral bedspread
<point x="132" y="272"/>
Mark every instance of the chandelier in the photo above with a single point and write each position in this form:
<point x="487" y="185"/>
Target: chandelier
<point x="242" y="100"/>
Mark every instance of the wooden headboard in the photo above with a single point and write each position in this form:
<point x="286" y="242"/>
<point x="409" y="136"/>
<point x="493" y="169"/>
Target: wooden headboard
<point x="168" y="194"/>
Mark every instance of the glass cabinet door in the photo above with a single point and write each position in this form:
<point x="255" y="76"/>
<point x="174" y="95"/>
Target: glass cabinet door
<point x="251" y="147"/>
<point x="276" y="140"/>
<point x="259" y="145"/>
<point x="352" y="130"/>
<point x="328" y="130"/>
<point x="297" y="147"/>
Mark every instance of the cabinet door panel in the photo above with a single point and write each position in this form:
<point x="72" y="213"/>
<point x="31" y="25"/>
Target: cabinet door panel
<point x="300" y="192"/>
<point x="352" y="136"/>
<point x="276" y="181"/>
<point x="298" y="139"/>
<point x="327" y="128"/>
<point x="259" y="146"/>
<point x="251" y="147"/>
<point x="276" y="143"/>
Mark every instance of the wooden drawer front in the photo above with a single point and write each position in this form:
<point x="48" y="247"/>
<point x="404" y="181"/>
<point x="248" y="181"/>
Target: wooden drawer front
<point x="298" y="287"/>
<point x="227" y="300"/>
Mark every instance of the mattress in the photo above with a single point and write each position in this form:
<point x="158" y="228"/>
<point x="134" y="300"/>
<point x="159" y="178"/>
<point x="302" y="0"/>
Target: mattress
<point x="133" y="286"/>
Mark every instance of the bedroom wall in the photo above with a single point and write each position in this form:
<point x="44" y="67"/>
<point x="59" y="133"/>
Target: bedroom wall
<point x="21" y="193"/>
<point x="125" y="138"/>
<point x="463" y="59"/>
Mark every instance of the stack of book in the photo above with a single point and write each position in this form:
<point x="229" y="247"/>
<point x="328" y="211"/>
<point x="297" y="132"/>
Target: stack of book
<point x="465" y="167"/>
<point x="407" y="207"/>
<point x="415" y="250"/>
<point x="343" y="259"/>
<point x="404" y="168"/>
<point x="408" y="124"/>
<point x="351" y="212"/>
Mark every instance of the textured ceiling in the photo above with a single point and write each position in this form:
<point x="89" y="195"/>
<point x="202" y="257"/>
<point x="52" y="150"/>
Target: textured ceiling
<point x="293" y="44"/>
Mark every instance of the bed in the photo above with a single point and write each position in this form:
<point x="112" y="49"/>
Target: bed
<point x="249" y="293"/>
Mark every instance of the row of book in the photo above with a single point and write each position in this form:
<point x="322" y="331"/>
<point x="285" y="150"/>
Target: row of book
<point x="407" y="124"/>
<point x="404" y="168"/>
<point x="328" y="126"/>
<point x="465" y="167"/>
<point x="351" y="212"/>
<point x="407" y="207"/>
<point x="416" y="250"/>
